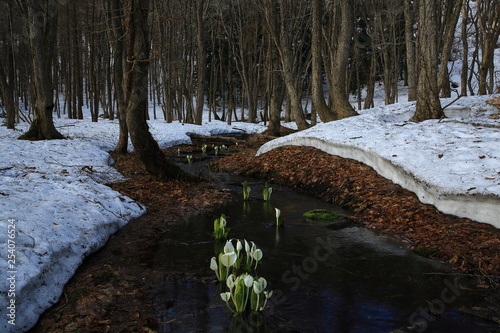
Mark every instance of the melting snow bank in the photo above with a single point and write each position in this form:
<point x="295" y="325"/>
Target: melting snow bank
<point x="54" y="211"/>
<point x="453" y="164"/>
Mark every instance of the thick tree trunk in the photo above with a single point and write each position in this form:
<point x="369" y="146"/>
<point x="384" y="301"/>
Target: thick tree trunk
<point x="42" y="27"/>
<point x="428" y="104"/>
<point x="136" y="79"/>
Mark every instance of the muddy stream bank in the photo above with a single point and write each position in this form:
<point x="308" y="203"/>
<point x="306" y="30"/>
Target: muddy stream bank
<point x="154" y="276"/>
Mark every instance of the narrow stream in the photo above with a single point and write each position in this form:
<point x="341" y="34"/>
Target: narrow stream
<point x="323" y="280"/>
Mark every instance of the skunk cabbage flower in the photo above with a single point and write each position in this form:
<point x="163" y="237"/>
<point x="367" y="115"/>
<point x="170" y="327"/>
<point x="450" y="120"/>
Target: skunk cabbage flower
<point x="213" y="264"/>
<point x="278" y="216"/>
<point x="228" y="247"/>
<point x="257" y="254"/>
<point x="266" y="192"/>
<point x="225" y="296"/>
<point x="257" y="287"/>
<point x="268" y="295"/>
<point x="262" y="282"/>
<point x="230" y="281"/>
<point x="228" y="259"/>
<point x="248" y="281"/>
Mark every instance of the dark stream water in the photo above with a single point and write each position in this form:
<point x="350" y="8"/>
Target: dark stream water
<point x="324" y="280"/>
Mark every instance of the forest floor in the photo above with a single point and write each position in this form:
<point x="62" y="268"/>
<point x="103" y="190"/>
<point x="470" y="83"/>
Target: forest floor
<point x="108" y="293"/>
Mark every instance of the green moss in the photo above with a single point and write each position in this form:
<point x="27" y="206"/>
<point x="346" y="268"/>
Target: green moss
<point x="103" y="276"/>
<point x="425" y="251"/>
<point x="321" y="215"/>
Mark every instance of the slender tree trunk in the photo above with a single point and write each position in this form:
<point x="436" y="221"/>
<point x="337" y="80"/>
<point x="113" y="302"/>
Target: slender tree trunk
<point x="7" y="78"/>
<point x="450" y="21"/>
<point x="340" y="63"/>
<point x="7" y="93"/>
<point x="370" y="85"/>
<point x="411" y="62"/>
<point x="77" y="66"/>
<point x="200" y="63"/>
<point x="428" y="104"/>
<point x="277" y="28"/>
<point x="318" y="96"/>
<point x="275" y="92"/>
<point x="8" y="84"/>
<point x="42" y="27"/>
<point x="485" y="66"/>
<point x="465" y="48"/>
<point x="116" y="36"/>
<point x="489" y="24"/>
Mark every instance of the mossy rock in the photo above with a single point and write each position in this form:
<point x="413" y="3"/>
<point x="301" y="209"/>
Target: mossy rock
<point x="321" y="215"/>
<point x="425" y="251"/>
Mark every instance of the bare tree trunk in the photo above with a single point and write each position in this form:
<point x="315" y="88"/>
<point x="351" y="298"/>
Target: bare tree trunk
<point x="318" y="96"/>
<point x="116" y="36"/>
<point x="411" y="62"/>
<point x="370" y="85"/>
<point x="8" y="80"/>
<point x="7" y="75"/>
<point x="136" y="80"/>
<point x="200" y="63"/>
<point x="450" y="20"/>
<point x="340" y="62"/>
<point x="77" y="56"/>
<point x="276" y="18"/>
<point x="42" y="27"/>
<point x="465" y="48"/>
<point x="489" y="23"/>
<point x="428" y="104"/>
<point x="275" y="92"/>
<point x="7" y="93"/>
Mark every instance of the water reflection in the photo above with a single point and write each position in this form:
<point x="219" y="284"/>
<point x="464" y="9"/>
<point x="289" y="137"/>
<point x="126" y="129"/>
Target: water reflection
<point x="348" y="280"/>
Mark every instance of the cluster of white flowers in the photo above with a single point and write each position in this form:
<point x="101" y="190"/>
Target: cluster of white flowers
<point x="244" y="289"/>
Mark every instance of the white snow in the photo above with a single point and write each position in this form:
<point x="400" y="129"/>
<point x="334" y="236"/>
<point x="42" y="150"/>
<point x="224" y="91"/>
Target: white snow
<point x="54" y="191"/>
<point x="453" y="164"/>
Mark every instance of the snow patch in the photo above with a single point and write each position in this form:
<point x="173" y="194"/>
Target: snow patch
<point x="453" y="165"/>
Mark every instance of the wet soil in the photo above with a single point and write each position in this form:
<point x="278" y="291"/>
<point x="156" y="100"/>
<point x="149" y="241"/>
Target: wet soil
<point x="109" y="292"/>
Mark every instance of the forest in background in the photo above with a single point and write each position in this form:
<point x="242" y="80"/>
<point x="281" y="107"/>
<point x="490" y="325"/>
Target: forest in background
<point x="243" y="60"/>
